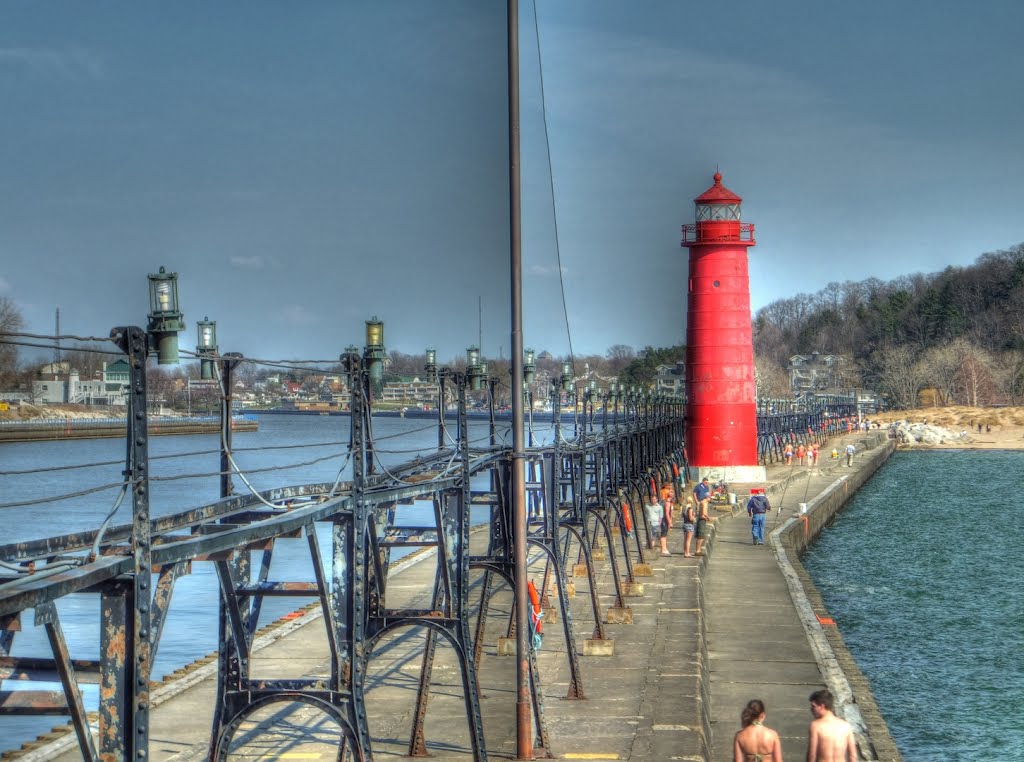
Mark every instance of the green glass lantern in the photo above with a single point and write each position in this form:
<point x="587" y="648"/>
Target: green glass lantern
<point x="374" y="352"/>
<point x="165" y="319"/>
<point x="207" y="347"/>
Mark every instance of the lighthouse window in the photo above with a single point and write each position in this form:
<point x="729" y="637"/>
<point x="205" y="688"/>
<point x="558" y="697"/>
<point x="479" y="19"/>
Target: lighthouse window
<point x="718" y="212"/>
<point x="715" y="283"/>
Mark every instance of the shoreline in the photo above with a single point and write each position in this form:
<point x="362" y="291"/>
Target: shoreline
<point x="956" y="427"/>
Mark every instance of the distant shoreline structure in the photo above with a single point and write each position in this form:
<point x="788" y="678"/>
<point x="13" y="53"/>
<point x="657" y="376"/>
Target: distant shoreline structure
<point x="48" y="429"/>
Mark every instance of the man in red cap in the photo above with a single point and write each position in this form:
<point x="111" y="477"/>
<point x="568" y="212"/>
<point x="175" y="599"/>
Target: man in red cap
<point x="757" y="508"/>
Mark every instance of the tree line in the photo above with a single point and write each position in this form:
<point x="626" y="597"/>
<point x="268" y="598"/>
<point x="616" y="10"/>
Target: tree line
<point x="950" y="337"/>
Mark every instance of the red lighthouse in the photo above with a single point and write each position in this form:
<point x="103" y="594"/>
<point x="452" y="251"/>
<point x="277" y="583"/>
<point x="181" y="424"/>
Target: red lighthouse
<point x="721" y="433"/>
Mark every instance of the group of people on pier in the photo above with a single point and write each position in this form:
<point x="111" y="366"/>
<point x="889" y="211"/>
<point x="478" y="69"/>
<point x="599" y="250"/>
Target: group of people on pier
<point x="829" y="738"/>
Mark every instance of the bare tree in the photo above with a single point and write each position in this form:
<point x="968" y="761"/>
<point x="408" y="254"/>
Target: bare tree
<point x="1009" y="374"/>
<point x="899" y="375"/>
<point x="11" y="321"/>
<point x="975" y="378"/>
<point x="619" y="356"/>
<point x="771" y="380"/>
<point x="89" y="360"/>
<point x="943" y="364"/>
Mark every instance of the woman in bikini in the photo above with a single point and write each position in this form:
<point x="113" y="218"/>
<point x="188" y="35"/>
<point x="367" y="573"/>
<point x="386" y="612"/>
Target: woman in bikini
<point x="755" y="742"/>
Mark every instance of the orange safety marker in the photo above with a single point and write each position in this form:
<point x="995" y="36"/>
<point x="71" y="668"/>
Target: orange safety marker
<point x="807" y="525"/>
<point x="535" y="614"/>
<point x="626" y="520"/>
<point x="825" y="620"/>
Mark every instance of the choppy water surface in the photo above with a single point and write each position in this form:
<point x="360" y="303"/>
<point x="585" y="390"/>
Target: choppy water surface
<point x="923" y="572"/>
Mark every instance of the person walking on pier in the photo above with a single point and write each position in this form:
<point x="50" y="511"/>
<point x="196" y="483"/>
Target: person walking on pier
<point x="757" y="507"/>
<point x="829" y="738"/>
<point x="850" y="450"/>
<point x="755" y="742"/>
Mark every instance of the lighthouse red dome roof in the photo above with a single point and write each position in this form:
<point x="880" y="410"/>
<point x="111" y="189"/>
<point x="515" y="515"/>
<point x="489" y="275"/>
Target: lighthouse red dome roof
<point x="717" y="194"/>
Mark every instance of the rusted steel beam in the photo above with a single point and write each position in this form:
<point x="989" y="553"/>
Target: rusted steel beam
<point x="46" y="614"/>
<point x="33" y="592"/>
<point x="117" y="672"/>
<point x="87" y="671"/>
<point x="162" y="593"/>
<point x="280" y="589"/>
<point x="237" y="504"/>
<point x="33" y="703"/>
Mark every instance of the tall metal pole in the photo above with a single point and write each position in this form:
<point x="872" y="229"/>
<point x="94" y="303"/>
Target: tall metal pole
<point x="524" y="735"/>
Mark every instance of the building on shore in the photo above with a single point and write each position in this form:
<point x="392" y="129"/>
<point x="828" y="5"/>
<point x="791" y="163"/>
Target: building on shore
<point x="60" y="384"/>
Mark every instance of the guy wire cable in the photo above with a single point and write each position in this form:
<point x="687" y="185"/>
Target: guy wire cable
<point x="551" y="181"/>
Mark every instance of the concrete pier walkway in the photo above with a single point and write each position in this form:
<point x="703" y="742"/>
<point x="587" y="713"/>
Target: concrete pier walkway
<point x="757" y="641"/>
<point x="707" y="635"/>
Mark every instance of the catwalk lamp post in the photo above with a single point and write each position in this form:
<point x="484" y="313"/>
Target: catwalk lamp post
<point x="438" y="376"/>
<point x="374" y="352"/>
<point x="207" y="347"/>
<point x="165" y="319"/>
<point x="474" y="369"/>
<point x="588" y="400"/>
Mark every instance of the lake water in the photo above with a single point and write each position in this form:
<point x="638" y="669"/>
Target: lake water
<point x="923" y="573"/>
<point x="287" y="450"/>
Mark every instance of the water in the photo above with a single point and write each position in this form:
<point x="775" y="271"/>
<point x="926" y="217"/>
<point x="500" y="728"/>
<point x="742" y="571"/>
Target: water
<point x="922" y="571"/>
<point x="316" y="453"/>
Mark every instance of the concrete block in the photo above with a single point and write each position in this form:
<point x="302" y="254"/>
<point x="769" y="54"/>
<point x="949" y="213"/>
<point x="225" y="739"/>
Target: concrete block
<point x="618" y="615"/>
<point x="579" y="570"/>
<point x="551" y="614"/>
<point x="506" y="646"/>
<point x="633" y="589"/>
<point x="643" y="570"/>
<point x="597" y="555"/>
<point x="570" y="589"/>
<point x="595" y="647"/>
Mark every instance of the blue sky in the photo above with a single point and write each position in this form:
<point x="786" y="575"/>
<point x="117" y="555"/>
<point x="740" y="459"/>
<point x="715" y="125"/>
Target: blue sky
<point x="305" y="167"/>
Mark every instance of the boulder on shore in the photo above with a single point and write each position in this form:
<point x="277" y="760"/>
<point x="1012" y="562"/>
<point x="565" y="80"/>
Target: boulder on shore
<point x="912" y="434"/>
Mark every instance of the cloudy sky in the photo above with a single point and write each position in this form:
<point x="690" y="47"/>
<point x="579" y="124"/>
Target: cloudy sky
<point x="304" y="167"/>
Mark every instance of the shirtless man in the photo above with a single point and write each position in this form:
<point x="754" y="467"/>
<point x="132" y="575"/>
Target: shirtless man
<point x="830" y="739"/>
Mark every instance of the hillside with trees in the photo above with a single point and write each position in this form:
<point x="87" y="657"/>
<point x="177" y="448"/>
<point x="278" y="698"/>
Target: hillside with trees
<point x="950" y="337"/>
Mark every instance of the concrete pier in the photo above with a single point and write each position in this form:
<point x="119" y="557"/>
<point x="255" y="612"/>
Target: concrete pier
<point x="706" y="635"/>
